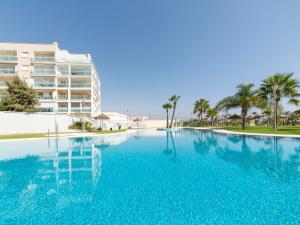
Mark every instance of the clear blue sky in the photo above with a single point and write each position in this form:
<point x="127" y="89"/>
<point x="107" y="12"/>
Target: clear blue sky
<point x="148" y="50"/>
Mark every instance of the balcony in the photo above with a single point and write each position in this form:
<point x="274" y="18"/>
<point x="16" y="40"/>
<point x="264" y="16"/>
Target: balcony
<point x="44" y="85"/>
<point x="62" y="73"/>
<point x="81" y="97"/>
<point x="7" y="71"/>
<point x="81" y="110"/>
<point x="62" y="97"/>
<point x="46" y="110"/>
<point x="8" y="58"/>
<point x="81" y="85"/>
<point x="63" y="85"/>
<point x="81" y="73"/>
<point x="62" y="110"/>
<point x="43" y="59"/>
<point x="45" y="97"/>
<point x="43" y="72"/>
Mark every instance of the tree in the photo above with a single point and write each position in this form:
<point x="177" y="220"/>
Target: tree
<point x="19" y="97"/>
<point x="212" y="113"/>
<point x="278" y="86"/>
<point x="294" y="116"/>
<point x="268" y="113"/>
<point x="174" y="99"/>
<point x="167" y="106"/>
<point x="286" y="115"/>
<point x="245" y="98"/>
<point x="200" y="107"/>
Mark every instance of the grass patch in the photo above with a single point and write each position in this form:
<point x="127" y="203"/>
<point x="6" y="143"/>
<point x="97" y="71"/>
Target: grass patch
<point x="291" y="130"/>
<point x="108" y="131"/>
<point x="16" y="136"/>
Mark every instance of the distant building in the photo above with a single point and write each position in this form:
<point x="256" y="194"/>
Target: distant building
<point x="64" y="82"/>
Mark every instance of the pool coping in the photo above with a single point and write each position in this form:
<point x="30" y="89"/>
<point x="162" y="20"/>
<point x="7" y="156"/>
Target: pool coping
<point x="254" y="134"/>
<point x="73" y="135"/>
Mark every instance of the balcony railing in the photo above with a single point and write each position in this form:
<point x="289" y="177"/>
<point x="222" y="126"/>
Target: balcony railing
<point x="8" y="58"/>
<point x="62" y="73"/>
<point x="64" y="60"/>
<point x="44" y="84"/>
<point x="80" y="97"/>
<point x="62" y="97"/>
<point x="2" y="84"/>
<point x="83" y="109"/>
<point x="7" y="71"/>
<point x="46" y="97"/>
<point x="43" y="72"/>
<point x="61" y="109"/>
<point x="62" y="85"/>
<point x="81" y="85"/>
<point x="43" y="59"/>
<point x="46" y="110"/>
<point x="81" y="73"/>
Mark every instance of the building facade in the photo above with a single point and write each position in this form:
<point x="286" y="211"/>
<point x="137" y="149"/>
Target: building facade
<point x="64" y="82"/>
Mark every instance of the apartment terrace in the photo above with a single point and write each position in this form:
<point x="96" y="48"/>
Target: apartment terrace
<point x="8" y="57"/>
<point x="43" y="57"/>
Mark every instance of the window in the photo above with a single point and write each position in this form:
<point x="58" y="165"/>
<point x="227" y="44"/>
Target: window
<point x="25" y="54"/>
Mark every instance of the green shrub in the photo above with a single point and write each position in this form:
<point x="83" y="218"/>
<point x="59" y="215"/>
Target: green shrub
<point x="78" y="125"/>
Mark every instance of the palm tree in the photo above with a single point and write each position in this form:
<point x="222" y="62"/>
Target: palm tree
<point x="245" y="98"/>
<point x="200" y="107"/>
<point x="277" y="87"/>
<point x="167" y="106"/>
<point x="174" y="99"/>
<point x="212" y="113"/>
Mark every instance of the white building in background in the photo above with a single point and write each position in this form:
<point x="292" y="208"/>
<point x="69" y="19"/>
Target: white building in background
<point x="65" y="83"/>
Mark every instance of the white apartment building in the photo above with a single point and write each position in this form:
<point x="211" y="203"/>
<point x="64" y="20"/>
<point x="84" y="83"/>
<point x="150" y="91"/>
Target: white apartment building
<point x="64" y="82"/>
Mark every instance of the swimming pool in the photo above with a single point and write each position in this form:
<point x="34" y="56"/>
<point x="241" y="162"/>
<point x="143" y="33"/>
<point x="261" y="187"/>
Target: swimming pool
<point x="151" y="177"/>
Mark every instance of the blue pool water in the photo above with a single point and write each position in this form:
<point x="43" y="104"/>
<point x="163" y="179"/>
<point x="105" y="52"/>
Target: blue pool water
<point x="151" y="177"/>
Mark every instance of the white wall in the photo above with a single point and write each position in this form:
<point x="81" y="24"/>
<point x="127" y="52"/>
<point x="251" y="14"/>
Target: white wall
<point x="17" y="122"/>
<point x="14" y="122"/>
<point x="148" y="124"/>
<point x="155" y="123"/>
